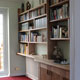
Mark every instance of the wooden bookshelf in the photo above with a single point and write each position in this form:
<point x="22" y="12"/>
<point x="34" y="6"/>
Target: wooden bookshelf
<point x="59" y="3"/>
<point x="55" y="22"/>
<point x="27" y="22"/>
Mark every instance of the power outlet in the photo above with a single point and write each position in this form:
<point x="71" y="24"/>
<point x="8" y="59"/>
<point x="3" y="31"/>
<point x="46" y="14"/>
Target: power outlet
<point x="17" y="68"/>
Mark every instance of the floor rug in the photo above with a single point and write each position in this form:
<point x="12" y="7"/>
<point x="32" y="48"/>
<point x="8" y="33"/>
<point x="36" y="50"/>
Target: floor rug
<point x="15" y="78"/>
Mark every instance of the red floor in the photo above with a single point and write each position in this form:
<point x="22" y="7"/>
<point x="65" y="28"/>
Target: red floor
<point x="15" y="78"/>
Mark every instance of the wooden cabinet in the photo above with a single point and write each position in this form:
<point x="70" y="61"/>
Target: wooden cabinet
<point x="45" y="73"/>
<point x="53" y="73"/>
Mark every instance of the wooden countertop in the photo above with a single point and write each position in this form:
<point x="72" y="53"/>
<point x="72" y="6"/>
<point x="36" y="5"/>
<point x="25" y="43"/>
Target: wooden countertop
<point x="40" y="59"/>
<point x="51" y="63"/>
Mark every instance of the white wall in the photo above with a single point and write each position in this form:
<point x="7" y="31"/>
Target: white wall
<point x="15" y="60"/>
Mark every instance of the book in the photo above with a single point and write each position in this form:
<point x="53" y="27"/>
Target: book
<point x="24" y="49"/>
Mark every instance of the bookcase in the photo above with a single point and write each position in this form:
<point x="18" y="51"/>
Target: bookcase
<point x="46" y="26"/>
<point x="58" y="26"/>
<point x="32" y="25"/>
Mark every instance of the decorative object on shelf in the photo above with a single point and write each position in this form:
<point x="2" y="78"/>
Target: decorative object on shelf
<point x="22" y="7"/>
<point x="65" y="33"/>
<point x="28" y="5"/>
<point x="58" y="55"/>
<point x="42" y="1"/>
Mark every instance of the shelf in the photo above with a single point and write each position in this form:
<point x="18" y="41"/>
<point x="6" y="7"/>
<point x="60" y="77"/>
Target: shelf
<point x="38" y="42"/>
<point x="26" y="21"/>
<point x="32" y="9"/>
<point x="24" y="31"/>
<point x="59" y="3"/>
<point x="60" y="39"/>
<point x="26" y="55"/>
<point x="21" y="54"/>
<point x="57" y="20"/>
<point x="41" y="16"/>
<point x="24" y="42"/>
<point x="43" y="28"/>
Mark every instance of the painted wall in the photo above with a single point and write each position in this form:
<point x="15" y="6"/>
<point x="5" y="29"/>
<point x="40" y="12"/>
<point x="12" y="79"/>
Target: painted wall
<point x="15" y="61"/>
<point x="76" y="42"/>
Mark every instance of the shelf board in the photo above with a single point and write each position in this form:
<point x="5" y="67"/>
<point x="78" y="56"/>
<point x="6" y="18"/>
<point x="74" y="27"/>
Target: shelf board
<point x="38" y="42"/>
<point x="24" y="31"/>
<point x="21" y="54"/>
<point x="60" y="39"/>
<point x="43" y="28"/>
<point x="41" y="16"/>
<point x="26" y="21"/>
<point x="59" y="3"/>
<point x="57" y="20"/>
<point x="26" y="55"/>
<point x="32" y="9"/>
<point x="24" y="42"/>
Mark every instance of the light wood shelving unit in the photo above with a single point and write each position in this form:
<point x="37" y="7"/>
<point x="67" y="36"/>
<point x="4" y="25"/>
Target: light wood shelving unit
<point x="51" y="42"/>
<point x="51" y="8"/>
<point x="29" y="43"/>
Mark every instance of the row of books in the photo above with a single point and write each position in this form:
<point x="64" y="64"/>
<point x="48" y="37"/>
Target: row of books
<point x="24" y="49"/>
<point x="52" y="2"/>
<point x="24" y="37"/>
<point x="24" y="17"/>
<point x="59" y="13"/>
<point x="33" y="14"/>
<point x="42" y="22"/>
<point x="59" y="31"/>
<point x="35" y="37"/>
<point x="27" y="25"/>
<point x="37" y="12"/>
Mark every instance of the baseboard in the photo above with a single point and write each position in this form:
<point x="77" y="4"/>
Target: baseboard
<point x="17" y="74"/>
<point x="32" y="76"/>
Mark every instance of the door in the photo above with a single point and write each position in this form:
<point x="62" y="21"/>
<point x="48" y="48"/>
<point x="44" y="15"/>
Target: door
<point x="3" y="42"/>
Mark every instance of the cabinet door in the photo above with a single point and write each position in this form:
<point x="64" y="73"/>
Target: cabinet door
<point x="45" y="74"/>
<point x="59" y="74"/>
<point x="56" y="77"/>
